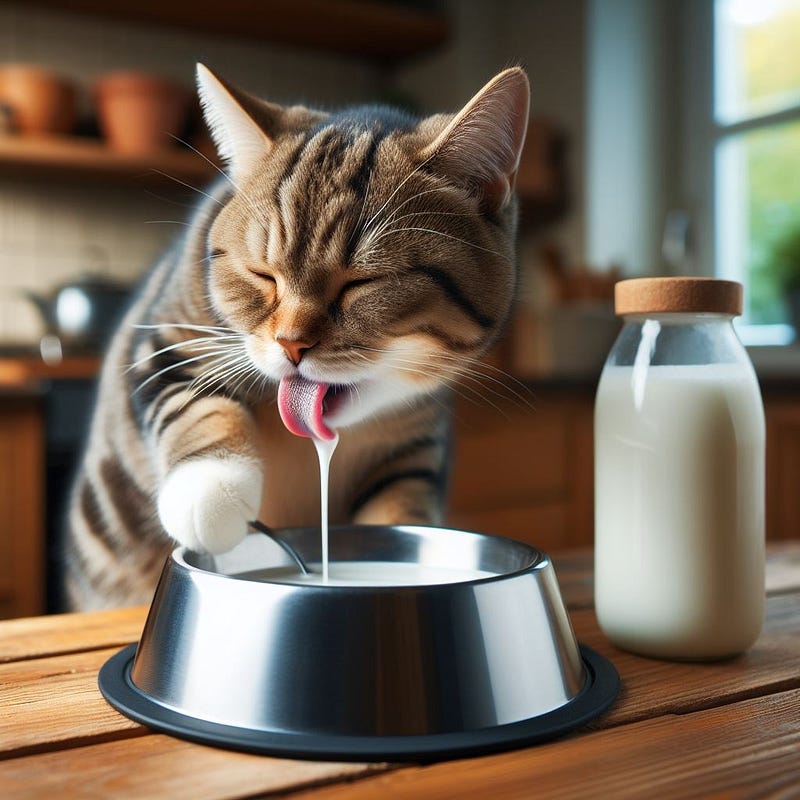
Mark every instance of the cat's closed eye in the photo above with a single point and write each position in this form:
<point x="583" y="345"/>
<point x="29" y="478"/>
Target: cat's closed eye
<point x="349" y="290"/>
<point x="265" y="276"/>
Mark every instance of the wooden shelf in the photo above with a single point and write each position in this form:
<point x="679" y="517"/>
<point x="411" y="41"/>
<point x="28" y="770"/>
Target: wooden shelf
<point x="74" y="158"/>
<point x="22" y="372"/>
<point x="364" y="28"/>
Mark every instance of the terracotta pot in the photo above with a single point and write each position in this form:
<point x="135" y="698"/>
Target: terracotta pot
<point x="40" y="101"/>
<point x="140" y="113"/>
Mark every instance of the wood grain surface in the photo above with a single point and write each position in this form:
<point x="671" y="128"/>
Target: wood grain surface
<point x="727" y="729"/>
<point x="161" y="768"/>
<point x="68" y="633"/>
<point x="55" y="702"/>
<point x="729" y="752"/>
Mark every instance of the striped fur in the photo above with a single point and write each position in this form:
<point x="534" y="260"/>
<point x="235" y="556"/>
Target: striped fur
<point x="362" y="234"/>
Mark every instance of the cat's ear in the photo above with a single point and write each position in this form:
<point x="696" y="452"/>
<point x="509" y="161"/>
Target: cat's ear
<point x="240" y="125"/>
<point x="482" y="144"/>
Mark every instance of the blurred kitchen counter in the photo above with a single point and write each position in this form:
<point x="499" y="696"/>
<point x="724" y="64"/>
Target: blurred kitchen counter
<point x="22" y="369"/>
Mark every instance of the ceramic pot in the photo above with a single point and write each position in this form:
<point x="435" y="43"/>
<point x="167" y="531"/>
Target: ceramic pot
<point x="139" y="113"/>
<point x="40" y="101"/>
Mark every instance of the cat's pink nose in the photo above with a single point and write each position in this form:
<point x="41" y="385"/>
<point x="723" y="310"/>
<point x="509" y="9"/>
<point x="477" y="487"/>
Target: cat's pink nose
<point x="294" y="348"/>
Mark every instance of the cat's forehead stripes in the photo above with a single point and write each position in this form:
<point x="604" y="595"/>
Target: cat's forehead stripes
<point x="318" y="201"/>
<point x="254" y="237"/>
<point x="274" y="238"/>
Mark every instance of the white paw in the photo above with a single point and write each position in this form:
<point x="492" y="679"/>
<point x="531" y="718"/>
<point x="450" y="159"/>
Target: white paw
<point x="206" y="503"/>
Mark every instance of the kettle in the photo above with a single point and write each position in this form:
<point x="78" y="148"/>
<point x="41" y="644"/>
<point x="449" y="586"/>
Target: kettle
<point x="79" y="314"/>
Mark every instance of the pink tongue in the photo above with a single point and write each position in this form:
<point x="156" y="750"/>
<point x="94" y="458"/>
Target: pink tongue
<point x="300" y="407"/>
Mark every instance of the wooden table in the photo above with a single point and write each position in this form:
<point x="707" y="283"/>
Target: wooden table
<point x="730" y="729"/>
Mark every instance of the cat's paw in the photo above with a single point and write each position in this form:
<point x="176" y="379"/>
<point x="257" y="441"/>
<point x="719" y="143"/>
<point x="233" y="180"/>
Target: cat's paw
<point x="206" y="503"/>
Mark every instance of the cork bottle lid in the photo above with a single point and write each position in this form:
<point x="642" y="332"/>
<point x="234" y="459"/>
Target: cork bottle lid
<point x="676" y="295"/>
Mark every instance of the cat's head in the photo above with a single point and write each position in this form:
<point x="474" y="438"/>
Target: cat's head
<point x="367" y="249"/>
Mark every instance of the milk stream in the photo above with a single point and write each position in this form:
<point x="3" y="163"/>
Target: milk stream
<point x="325" y="448"/>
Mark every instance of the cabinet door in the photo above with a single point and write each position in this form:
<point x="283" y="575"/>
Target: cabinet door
<point x="525" y="472"/>
<point x="22" y="583"/>
<point x="783" y="468"/>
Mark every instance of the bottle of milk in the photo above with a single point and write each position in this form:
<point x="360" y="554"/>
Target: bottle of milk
<point x="679" y="475"/>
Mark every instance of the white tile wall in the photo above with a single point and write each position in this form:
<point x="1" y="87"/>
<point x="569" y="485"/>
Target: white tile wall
<point x="50" y="232"/>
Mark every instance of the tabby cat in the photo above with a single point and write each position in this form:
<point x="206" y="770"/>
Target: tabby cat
<point x="371" y="253"/>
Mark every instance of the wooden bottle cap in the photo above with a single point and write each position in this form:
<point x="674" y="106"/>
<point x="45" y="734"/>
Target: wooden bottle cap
<point x="676" y="295"/>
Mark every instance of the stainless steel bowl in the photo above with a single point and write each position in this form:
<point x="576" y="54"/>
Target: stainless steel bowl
<point x="361" y="671"/>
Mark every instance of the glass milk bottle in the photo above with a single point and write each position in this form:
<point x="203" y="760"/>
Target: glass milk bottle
<point x="679" y="475"/>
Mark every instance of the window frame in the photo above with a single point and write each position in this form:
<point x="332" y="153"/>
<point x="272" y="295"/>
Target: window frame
<point x="703" y="134"/>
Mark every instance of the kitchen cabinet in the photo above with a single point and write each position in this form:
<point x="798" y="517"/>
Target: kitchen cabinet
<point x="22" y="507"/>
<point x="528" y="473"/>
<point x="783" y="466"/>
<point x="524" y="469"/>
<point x="24" y="468"/>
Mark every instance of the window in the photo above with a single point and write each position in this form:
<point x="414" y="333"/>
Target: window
<point x="756" y="153"/>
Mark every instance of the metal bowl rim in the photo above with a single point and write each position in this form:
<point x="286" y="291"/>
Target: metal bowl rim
<point x="538" y="562"/>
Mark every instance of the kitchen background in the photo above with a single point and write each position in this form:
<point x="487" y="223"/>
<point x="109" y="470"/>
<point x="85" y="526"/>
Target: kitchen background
<point x="600" y="73"/>
<point x="665" y="139"/>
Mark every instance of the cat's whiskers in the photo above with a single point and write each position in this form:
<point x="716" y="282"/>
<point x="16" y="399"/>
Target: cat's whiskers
<point x="201" y="342"/>
<point x="432" y="214"/>
<point x="368" y="235"/>
<point x="209" y="258"/>
<point x="371" y="237"/>
<point x="168" y="222"/>
<point x="409" y="199"/>
<point x="460" y="389"/>
<point x="259" y="379"/>
<point x="220" y="372"/>
<point x="363" y="208"/>
<point x="251" y="203"/>
<point x="187" y="326"/>
<point x="438" y="233"/>
<point x="248" y="370"/>
<point x="221" y="345"/>
<point x="471" y="369"/>
<point x="219" y="336"/>
<point x="177" y="365"/>
<point x="206" y="158"/>
<point x="460" y="371"/>
<point x="478" y="362"/>
<point x="396" y="190"/>
<point x="454" y="377"/>
<point x="404" y="363"/>
<point x="189" y="186"/>
<point x="224" y="377"/>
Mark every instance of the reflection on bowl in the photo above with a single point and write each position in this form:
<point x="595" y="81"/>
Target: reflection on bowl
<point x="232" y="656"/>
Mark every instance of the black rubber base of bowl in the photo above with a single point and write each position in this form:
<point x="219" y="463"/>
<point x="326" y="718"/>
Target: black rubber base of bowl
<point x="601" y="688"/>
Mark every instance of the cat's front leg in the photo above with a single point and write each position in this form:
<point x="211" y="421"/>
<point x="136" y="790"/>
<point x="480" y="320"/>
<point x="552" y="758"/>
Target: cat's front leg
<point x="211" y="475"/>
<point x="406" y="487"/>
<point x="411" y="500"/>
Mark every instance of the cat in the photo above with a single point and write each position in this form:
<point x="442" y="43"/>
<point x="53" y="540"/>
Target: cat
<point x="368" y="251"/>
